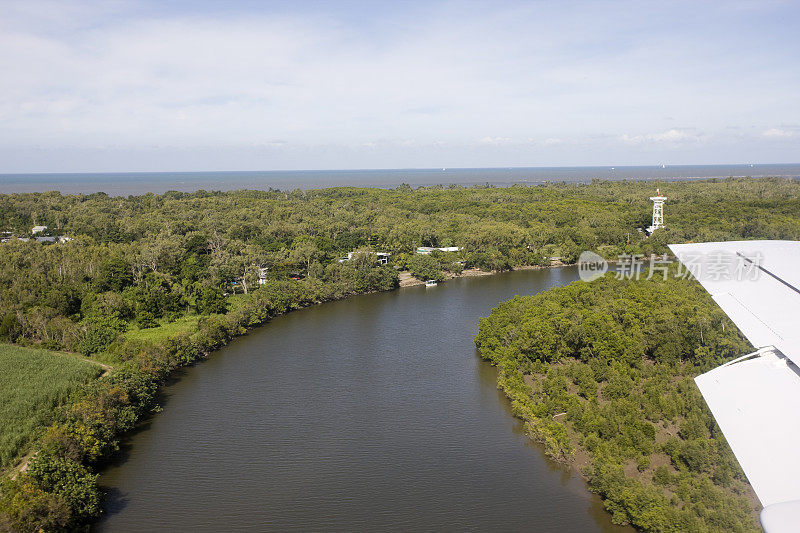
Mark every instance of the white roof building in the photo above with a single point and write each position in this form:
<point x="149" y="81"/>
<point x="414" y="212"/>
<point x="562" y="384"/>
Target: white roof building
<point x="383" y="257"/>
<point x="428" y="249"/>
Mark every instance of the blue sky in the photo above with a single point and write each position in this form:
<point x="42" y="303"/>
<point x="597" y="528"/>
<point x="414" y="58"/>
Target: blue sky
<point x="149" y="86"/>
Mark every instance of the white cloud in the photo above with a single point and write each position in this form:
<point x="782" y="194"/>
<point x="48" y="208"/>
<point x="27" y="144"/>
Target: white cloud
<point x="777" y="133"/>
<point x="421" y="80"/>
<point x="671" y="136"/>
<point x="495" y="140"/>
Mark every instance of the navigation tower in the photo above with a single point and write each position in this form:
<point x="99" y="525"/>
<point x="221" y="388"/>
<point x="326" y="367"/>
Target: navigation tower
<point x="658" y="212"/>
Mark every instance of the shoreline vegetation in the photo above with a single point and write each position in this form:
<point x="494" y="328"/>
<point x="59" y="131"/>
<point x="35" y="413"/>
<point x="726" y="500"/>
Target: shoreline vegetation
<point x="148" y="284"/>
<point x="602" y="373"/>
<point x="51" y="377"/>
<point x="405" y="280"/>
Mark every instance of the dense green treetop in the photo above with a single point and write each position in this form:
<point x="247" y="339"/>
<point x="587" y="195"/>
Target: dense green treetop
<point x="145" y="259"/>
<point x="603" y="370"/>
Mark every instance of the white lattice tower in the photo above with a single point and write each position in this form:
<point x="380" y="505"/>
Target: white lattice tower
<point x="658" y="210"/>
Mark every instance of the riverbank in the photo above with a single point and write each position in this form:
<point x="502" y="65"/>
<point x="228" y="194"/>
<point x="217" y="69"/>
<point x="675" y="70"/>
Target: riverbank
<point x="360" y="414"/>
<point x="32" y="382"/>
<point x="22" y="464"/>
<point x="616" y="401"/>
<point x="87" y="433"/>
<point x="139" y="342"/>
<point x="407" y="280"/>
<point x="126" y="397"/>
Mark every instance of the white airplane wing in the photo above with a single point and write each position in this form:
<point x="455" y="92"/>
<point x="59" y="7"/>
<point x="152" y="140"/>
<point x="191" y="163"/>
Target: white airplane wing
<point x="755" y="398"/>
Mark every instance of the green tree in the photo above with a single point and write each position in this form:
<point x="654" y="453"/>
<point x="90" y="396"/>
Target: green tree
<point x="210" y="300"/>
<point x="70" y="481"/>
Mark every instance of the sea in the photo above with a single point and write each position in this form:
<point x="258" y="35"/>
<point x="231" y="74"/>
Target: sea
<point x="137" y="183"/>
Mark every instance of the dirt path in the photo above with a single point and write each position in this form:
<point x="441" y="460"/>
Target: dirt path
<point x="22" y="466"/>
<point x="106" y="368"/>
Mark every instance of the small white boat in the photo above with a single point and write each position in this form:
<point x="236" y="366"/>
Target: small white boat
<point x="430" y="283"/>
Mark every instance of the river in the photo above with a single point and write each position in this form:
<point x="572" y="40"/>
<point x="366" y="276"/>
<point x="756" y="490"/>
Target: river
<point x="371" y="414"/>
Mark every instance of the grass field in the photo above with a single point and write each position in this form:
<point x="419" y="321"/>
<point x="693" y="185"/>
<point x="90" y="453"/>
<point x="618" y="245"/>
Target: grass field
<point x="185" y="324"/>
<point x="32" y="384"/>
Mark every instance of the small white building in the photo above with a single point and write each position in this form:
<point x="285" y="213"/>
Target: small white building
<point x="383" y="257"/>
<point x="38" y="229"/>
<point x="425" y="250"/>
<point x="262" y="275"/>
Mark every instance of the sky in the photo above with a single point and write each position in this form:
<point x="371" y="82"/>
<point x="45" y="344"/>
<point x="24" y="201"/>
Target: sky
<point x="235" y="85"/>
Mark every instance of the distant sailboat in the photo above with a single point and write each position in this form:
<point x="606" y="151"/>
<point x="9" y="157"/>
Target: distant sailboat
<point x="663" y="165"/>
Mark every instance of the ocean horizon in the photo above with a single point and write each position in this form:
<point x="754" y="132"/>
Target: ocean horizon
<point x="137" y="183"/>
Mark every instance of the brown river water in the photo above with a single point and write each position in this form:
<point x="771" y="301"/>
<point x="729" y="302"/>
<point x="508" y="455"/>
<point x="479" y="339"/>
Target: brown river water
<point x="368" y="414"/>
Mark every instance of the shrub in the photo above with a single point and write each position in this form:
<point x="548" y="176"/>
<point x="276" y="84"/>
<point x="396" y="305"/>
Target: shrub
<point x="25" y="506"/>
<point x="100" y="332"/>
<point x="68" y="480"/>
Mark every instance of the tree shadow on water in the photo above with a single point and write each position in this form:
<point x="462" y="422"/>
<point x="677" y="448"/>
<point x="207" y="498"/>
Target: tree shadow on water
<point x="163" y="397"/>
<point x="115" y="501"/>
